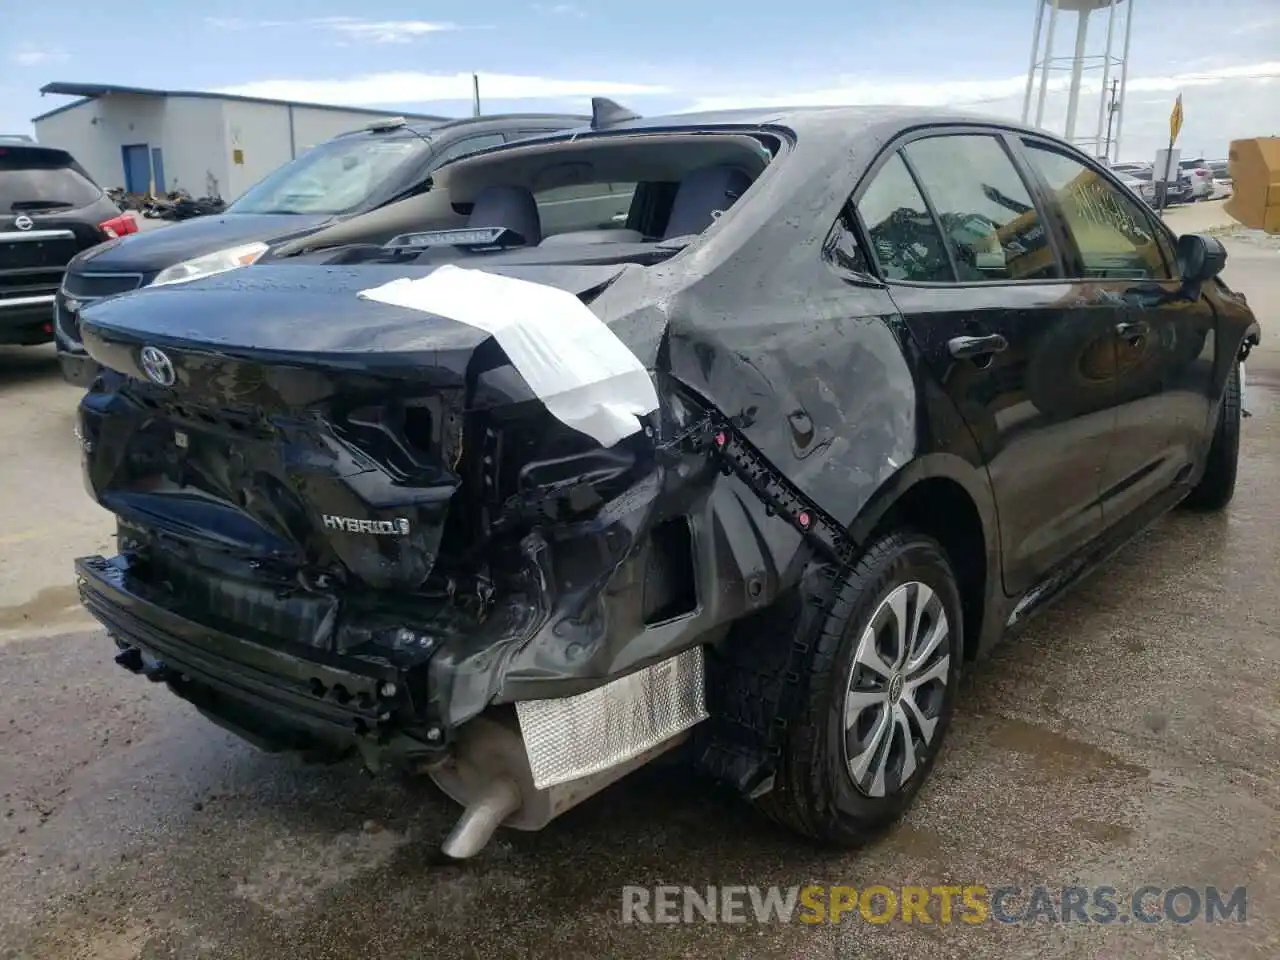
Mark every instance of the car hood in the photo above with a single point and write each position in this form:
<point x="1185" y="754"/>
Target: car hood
<point x="153" y="250"/>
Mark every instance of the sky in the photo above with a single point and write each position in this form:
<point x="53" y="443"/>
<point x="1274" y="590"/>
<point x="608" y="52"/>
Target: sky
<point x="657" y="56"/>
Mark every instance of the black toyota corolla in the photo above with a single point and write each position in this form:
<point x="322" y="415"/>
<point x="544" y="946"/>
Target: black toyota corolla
<point x="757" y="461"/>
<point x="337" y="180"/>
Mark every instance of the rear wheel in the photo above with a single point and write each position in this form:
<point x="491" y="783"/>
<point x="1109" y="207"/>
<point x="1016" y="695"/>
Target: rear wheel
<point x="1218" y="484"/>
<point x="876" y="695"/>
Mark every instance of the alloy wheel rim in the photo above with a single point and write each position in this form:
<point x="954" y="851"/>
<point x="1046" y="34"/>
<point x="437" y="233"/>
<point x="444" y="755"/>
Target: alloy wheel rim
<point x="896" y="690"/>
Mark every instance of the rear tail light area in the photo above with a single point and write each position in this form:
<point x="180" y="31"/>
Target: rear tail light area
<point x="120" y="226"/>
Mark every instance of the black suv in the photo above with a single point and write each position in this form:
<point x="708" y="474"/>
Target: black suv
<point x="50" y="210"/>
<point x="344" y="177"/>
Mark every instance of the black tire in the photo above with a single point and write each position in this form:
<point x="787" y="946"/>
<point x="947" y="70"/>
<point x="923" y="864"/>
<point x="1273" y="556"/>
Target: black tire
<point x="1218" y="483"/>
<point x="814" y="792"/>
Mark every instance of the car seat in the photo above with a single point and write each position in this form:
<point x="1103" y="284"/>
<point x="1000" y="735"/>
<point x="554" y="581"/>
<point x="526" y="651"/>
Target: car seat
<point x="702" y="196"/>
<point x="510" y="206"/>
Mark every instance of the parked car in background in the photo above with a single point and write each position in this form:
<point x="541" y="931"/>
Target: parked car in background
<point x="1200" y="177"/>
<point x="1221" y="177"/>
<point x="341" y="178"/>
<point x="50" y="210"/>
<point x="1179" y="189"/>
<point x="1144" y="188"/>
<point x="759" y="461"/>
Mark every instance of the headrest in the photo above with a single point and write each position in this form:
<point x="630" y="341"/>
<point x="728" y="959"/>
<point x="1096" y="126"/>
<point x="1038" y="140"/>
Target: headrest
<point x="509" y="206"/>
<point x="702" y="196"/>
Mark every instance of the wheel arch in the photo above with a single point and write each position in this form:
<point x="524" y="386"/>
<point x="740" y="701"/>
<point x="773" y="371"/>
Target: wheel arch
<point x="948" y="498"/>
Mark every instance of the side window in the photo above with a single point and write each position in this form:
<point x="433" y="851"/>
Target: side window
<point x="1114" y="236"/>
<point x="985" y="208"/>
<point x="904" y="237"/>
<point x="584" y="206"/>
<point x="460" y="148"/>
<point x="842" y="249"/>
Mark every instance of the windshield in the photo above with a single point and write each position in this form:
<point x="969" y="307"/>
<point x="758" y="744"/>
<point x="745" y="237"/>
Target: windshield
<point x="40" y="180"/>
<point x="335" y="177"/>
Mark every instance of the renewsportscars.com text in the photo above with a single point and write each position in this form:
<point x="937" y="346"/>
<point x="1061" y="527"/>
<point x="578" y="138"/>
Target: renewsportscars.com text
<point x="943" y="904"/>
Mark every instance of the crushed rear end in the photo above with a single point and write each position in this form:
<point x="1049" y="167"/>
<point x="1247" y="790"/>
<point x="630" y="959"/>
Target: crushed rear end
<point x="347" y="525"/>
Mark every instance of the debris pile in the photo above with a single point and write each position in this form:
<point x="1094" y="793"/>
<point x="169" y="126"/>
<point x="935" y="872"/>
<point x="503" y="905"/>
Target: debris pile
<point x="175" y="205"/>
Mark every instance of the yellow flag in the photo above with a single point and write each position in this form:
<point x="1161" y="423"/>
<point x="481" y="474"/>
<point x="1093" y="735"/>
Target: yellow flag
<point x="1175" y="119"/>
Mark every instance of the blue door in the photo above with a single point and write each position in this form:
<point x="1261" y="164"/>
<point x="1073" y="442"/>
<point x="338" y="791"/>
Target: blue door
<point x="137" y="167"/>
<point x="157" y="168"/>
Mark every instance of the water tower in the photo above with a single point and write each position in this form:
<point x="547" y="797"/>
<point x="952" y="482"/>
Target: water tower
<point x="1105" y="142"/>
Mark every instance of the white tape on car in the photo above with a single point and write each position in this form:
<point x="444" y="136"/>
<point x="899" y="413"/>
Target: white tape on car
<point x="572" y="361"/>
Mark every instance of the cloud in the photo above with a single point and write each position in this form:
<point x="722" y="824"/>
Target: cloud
<point x="34" y="56"/>
<point x="412" y="87"/>
<point x="1221" y="104"/>
<point x="969" y="92"/>
<point x="1250" y="27"/>
<point x="383" y="31"/>
<point x="349" y="28"/>
<point x="559" y="10"/>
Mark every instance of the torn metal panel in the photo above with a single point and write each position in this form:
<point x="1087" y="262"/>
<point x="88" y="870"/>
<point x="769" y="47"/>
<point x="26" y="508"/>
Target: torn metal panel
<point x="574" y="364"/>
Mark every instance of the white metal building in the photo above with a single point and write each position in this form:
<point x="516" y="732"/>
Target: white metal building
<point x="204" y="143"/>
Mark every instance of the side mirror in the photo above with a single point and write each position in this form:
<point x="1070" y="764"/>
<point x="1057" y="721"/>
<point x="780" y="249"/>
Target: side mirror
<point x="1200" y="258"/>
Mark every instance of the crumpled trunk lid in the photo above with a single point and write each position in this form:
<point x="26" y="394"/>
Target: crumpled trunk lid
<point x="277" y="417"/>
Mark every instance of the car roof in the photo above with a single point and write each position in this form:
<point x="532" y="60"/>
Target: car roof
<point x="464" y="126"/>
<point x="834" y="123"/>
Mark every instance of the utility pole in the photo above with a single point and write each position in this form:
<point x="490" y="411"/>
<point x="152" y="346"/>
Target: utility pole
<point x="475" y="94"/>
<point x="1112" y="108"/>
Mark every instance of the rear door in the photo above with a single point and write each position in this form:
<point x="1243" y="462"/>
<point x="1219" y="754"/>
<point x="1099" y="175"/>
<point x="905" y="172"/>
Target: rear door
<point x="976" y="273"/>
<point x="1164" y="341"/>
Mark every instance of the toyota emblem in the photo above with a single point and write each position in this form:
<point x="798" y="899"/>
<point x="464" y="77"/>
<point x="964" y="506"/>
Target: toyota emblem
<point x="157" y="365"/>
<point x="23" y="222"/>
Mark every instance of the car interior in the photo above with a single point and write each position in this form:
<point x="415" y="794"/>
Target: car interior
<point x="612" y="198"/>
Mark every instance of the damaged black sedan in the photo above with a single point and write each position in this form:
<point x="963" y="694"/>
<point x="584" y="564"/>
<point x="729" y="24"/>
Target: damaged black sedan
<point x="740" y="431"/>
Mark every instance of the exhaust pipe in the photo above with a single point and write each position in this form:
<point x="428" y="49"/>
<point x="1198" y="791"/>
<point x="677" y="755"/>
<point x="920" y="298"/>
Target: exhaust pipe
<point x="482" y="818"/>
<point x="491" y="778"/>
<point x="522" y="768"/>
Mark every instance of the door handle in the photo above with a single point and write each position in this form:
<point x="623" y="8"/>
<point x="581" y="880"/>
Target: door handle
<point x="970" y="348"/>
<point x="1132" y="331"/>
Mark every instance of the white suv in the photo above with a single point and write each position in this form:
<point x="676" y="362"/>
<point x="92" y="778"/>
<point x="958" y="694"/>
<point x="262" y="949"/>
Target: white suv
<point x="1201" y="177"/>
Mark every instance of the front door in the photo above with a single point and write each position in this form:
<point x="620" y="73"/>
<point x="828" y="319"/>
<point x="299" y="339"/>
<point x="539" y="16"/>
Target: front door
<point x="978" y="279"/>
<point x="137" y="167"/>
<point x="1165" y="341"/>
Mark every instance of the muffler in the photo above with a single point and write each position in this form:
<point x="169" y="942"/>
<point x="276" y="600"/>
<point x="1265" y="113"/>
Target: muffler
<point x="522" y="770"/>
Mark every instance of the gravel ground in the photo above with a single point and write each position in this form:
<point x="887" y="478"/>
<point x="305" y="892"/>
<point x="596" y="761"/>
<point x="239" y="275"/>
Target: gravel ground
<point x="1131" y="736"/>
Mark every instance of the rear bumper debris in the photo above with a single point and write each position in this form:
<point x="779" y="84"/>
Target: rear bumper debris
<point x="518" y="767"/>
<point x="278" y="699"/>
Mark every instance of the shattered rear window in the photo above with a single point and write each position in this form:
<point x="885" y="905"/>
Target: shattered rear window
<point x="637" y="188"/>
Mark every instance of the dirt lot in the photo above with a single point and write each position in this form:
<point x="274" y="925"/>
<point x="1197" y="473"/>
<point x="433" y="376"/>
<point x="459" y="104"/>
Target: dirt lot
<point x="1131" y="737"/>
